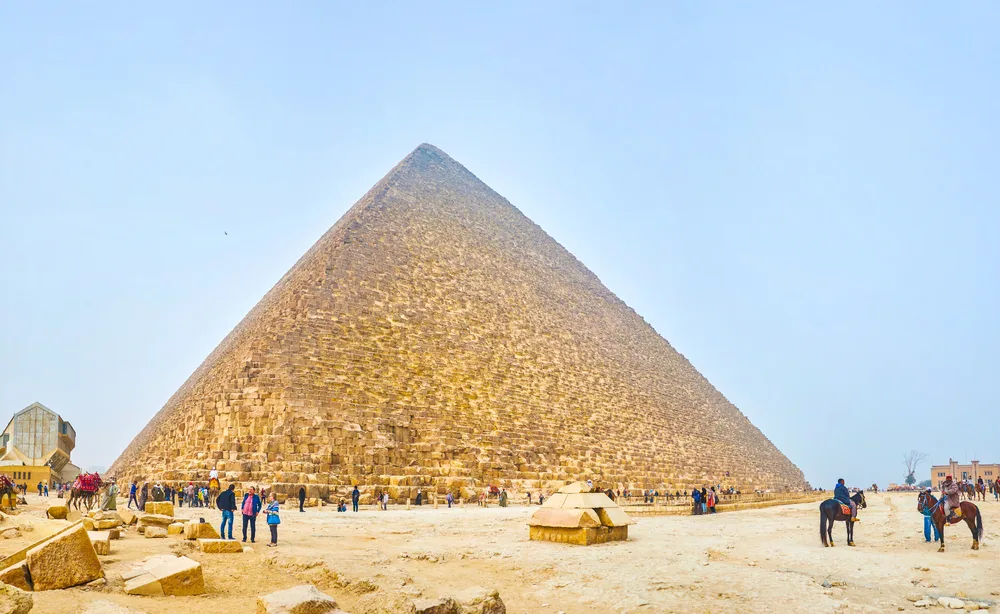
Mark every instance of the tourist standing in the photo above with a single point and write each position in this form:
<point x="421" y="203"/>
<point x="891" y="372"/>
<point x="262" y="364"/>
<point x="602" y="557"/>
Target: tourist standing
<point x="696" y="497"/>
<point x="273" y="519"/>
<point x="226" y="502"/>
<point x="451" y="499"/>
<point x="302" y="498"/>
<point x="420" y="497"/>
<point x="529" y="498"/>
<point x="46" y="490"/>
<point x="385" y="501"/>
<point x="143" y="496"/>
<point x="929" y="523"/>
<point x="711" y="500"/>
<point x="355" y="498"/>
<point x="110" y="502"/>
<point x="250" y="509"/>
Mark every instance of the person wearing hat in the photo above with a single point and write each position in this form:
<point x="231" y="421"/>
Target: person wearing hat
<point x="929" y="524"/>
<point x="950" y="500"/>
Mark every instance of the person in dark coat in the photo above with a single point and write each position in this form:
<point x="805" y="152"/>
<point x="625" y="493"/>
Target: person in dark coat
<point x="226" y="501"/>
<point x="250" y="509"/>
<point x="840" y="493"/>
<point x="302" y="499"/>
<point x="355" y="497"/>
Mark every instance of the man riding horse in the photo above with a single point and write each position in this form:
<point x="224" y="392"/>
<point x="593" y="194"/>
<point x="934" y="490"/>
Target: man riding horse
<point x="950" y="498"/>
<point x="841" y="494"/>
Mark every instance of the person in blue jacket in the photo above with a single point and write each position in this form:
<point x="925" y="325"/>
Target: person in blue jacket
<point x="250" y="508"/>
<point x="840" y="493"/>
<point x="929" y="524"/>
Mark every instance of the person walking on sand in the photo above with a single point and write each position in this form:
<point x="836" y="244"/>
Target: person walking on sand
<point x="131" y="495"/>
<point x="355" y="498"/>
<point x="302" y="498"/>
<point x="250" y="509"/>
<point x="273" y="519"/>
<point x="226" y="502"/>
<point x="143" y="496"/>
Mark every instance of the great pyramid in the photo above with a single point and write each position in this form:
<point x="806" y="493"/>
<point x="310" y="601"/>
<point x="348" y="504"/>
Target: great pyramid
<point x="436" y="338"/>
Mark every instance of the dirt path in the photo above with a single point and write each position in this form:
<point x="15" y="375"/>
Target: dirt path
<point x="768" y="560"/>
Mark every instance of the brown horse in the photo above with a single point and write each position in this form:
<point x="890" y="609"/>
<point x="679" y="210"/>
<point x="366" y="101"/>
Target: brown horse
<point x="980" y="491"/>
<point x="928" y="505"/>
<point x="7" y="487"/>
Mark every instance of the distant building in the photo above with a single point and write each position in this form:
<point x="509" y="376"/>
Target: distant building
<point x="35" y="447"/>
<point x="972" y="472"/>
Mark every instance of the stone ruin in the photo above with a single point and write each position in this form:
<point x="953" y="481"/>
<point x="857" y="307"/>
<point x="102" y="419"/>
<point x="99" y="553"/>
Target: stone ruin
<point x="575" y="515"/>
<point x="436" y="338"/>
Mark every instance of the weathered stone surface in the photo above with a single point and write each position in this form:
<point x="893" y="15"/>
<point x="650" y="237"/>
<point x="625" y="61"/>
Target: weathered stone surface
<point x="381" y="602"/>
<point x="580" y="537"/>
<point x="220" y="546"/>
<point x="107" y="523"/>
<point x="114" y="533"/>
<point x="101" y="541"/>
<point x="14" y="600"/>
<point x="476" y="600"/>
<point x="64" y="560"/>
<point x="10" y="533"/>
<point x="567" y="518"/>
<point x="158" y="520"/>
<point x="59" y="511"/>
<point x="155" y="532"/>
<point x="16" y="575"/>
<point x="614" y="517"/>
<point x="305" y="599"/>
<point x="176" y="528"/>
<point x="108" y="607"/>
<point x="89" y="524"/>
<point x="200" y="530"/>
<point x="127" y="517"/>
<point x="444" y="605"/>
<point x="394" y="302"/>
<point x="162" y="508"/>
<point x="166" y="575"/>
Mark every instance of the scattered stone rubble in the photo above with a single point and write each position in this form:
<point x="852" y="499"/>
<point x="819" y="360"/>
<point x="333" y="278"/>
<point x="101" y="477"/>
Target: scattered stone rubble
<point x="304" y="599"/>
<point x="165" y="575"/>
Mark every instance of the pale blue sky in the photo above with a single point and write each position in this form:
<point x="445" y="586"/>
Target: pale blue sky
<point x="802" y="199"/>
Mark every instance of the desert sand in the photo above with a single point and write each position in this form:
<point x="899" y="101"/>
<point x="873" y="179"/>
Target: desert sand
<point x="768" y="560"/>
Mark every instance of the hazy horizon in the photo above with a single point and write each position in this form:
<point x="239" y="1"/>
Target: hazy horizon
<point x="801" y="201"/>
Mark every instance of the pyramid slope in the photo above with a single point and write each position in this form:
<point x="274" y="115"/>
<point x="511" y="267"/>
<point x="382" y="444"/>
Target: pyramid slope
<point x="436" y="336"/>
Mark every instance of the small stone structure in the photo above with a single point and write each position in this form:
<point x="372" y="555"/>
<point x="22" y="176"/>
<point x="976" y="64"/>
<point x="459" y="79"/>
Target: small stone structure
<point x="574" y="515"/>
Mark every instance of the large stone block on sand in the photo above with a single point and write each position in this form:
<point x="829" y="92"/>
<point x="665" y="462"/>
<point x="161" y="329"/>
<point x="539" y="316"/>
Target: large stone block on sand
<point x="200" y="530"/>
<point x="305" y="599"/>
<point x="58" y="511"/>
<point x="581" y="536"/>
<point x="101" y="541"/>
<point x="16" y="575"/>
<point x="176" y="528"/>
<point x="14" y="600"/>
<point x="106" y="523"/>
<point x="158" y="520"/>
<point x="67" y="559"/>
<point x="155" y="532"/>
<point x="166" y="575"/>
<point x="443" y="605"/>
<point x="126" y="516"/>
<point x="164" y="508"/>
<point x="614" y="517"/>
<point x="220" y="546"/>
<point x="476" y="600"/>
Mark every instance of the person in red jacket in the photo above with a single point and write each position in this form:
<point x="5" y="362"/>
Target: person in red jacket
<point x="250" y="509"/>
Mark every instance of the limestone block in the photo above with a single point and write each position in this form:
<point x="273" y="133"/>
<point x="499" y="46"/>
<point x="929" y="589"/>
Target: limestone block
<point x="156" y="520"/>
<point x="305" y="599"/>
<point x="126" y="516"/>
<point x="166" y="575"/>
<point x="176" y="528"/>
<point x="164" y="508"/>
<point x="567" y="518"/>
<point x="476" y="600"/>
<point x="614" y="517"/>
<point x="101" y="541"/>
<point x="74" y="515"/>
<point x="115" y="534"/>
<point x="155" y="532"/>
<point x="88" y="524"/>
<point x="444" y="605"/>
<point x="67" y="559"/>
<point x="14" y="600"/>
<point x="16" y="575"/>
<point x="200" y="530"/>
<point x="107" y="523"/>
<point x="58" y="511"/>
<point x="220" y="546"/>
<point x="555" y="500"/>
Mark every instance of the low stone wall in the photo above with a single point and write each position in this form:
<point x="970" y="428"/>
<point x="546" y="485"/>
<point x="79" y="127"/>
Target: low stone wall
<point x="674" y="507"/>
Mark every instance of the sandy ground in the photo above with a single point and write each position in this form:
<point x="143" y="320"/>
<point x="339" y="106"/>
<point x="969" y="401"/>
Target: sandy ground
<point x="768" y="560"/>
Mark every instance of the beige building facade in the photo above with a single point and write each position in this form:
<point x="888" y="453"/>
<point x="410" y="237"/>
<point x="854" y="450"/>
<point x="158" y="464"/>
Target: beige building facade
<point x="971" y="472"/>
<point x="35" y="447"/>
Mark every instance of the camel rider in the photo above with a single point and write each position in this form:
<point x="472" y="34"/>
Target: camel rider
<point x="213" y="474"/>
<point x="840" y="493"/>
<point x="949" y="497"/>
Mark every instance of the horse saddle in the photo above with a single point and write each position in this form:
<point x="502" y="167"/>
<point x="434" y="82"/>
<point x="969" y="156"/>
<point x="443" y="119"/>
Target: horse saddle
<point x="957" y="515"/>
<point x="846" y="509"/>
